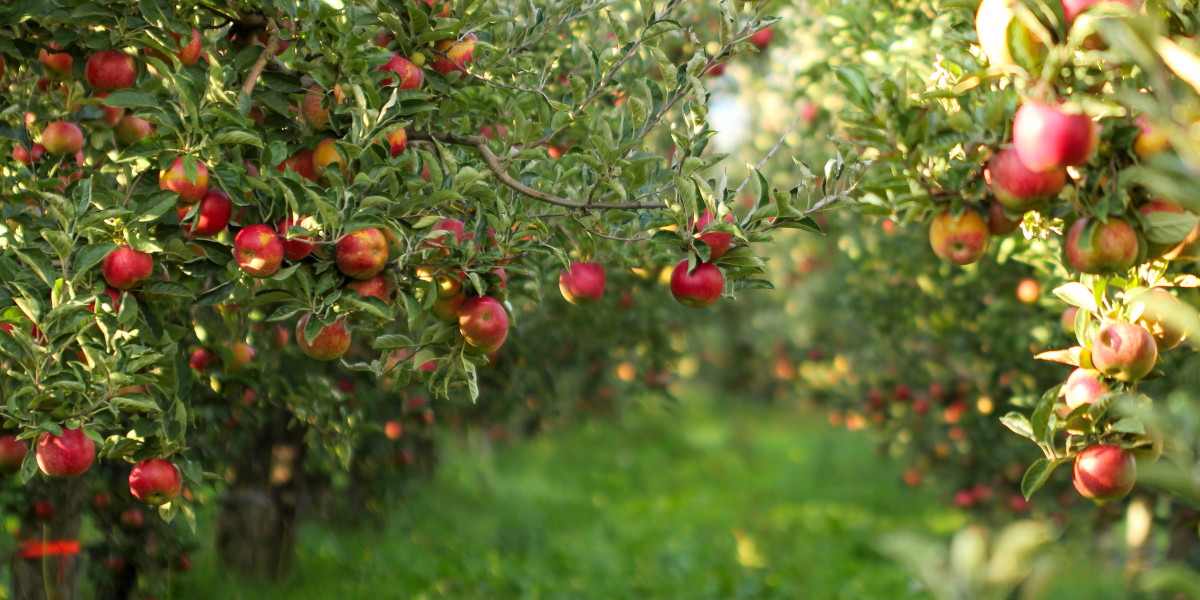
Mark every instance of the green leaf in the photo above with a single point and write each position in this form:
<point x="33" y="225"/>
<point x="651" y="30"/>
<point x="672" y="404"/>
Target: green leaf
<point x="1036" y="476"/>
<point x="238" y="136"/>
<point x="130" y="98"/>
<point x="1019" y="424"/>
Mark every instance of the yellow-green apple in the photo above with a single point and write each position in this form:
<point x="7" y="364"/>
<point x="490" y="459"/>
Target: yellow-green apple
<point x="1104" y="472"/>
<point x="326" y="154"/>
<point x="301" y="161"/>
<point x="1150" y="140"/>
<point x="12" y="454"/>
<point x="110" y="70"/>
<point x="961" y="240"/>
<point x="1083" y="386"/>
<point x="65" y="455"/>
<point x="999" y="223"/>
<point x="298" y="247"/>
<point x="1163" y="315"/>
<point x="243" y="354"/>
<point x="58" y="64"/>
<point x="483" y="324"/>
<point x="126" y="268"/>
<point x="375" y="286"/>
<point x="410" y="76"/>
<point x="362" y="254"/>
<point x="130" y="129"/>
<point x="62" y="137"/>
<point x="1124" y="351"/>
<point x="212" y="215"/>
<point x="176" y="180"/>
<point x="330" y="343"/>
<point x="313" y="108"/>
<point x="155" y="481"/>
<point x="28" y="156"/>
<point x="111" y="115"/>
<point x="582" y="282"/>
<point x="397" y="140"/>
<point x="1072" y="8"/>
<point x="453" y="55"/>
<point x="698" y="288"/>
<point x="1018" y="188"/>
<point x="1047" y="138"/>
<point x="1112" y="247"/>
<point x="258" y="250"/>
<point x="718" y="242"/>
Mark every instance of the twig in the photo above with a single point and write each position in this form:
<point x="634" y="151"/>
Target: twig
<point x="267" y="54"/>
<point x="480" y="143"/>
<point x="763" y="162"/>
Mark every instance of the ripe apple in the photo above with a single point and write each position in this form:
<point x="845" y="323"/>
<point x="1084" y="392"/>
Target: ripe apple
<point x="454" y="55"/>
<point x="1104" y="472"/>
<point x="433" y="8"/>
<point x="1113" y="248"/>
<point x="133" y="518"/>
<point x="12" y="454"/>
<point x="582" y="283"/>
<point x="67" y="455"/>
<point x="699" y="288"/>
<point x="62" y="137"/>
<point x="483" y="324"/>
<point x="1046" y="138"/>
<point x="1072" y="8"/>
<point x="200" y="360"/>
<point x="126" y="268"/>
<point x="397" y="141"/>
<point x="362" y="254"/>
<point x="30" y="156"/>
<point x="330" y="343"/>
<point x="394" y="430"/>
<point x="718" y="242"/>
<point x="243" y="354"/>
<point x="1083" y="386"/>
<point x="43" y="511"/>
<point x="326" y="154"/>
<point x="1124" y="351"/>
<point x="58" y="64"/>
<point x="1150" y="141"/>
<point x="176" y="180"/>
<point x="110" y="70"/>
<point x="188" y="53"/>
<point x="258" y="250"/>
<point x="296" y="248"/>
<point x="301" y="161"/>
<point x="761" y="38"/>
<point x="375" y="286"/>
<point x="411" y="76"/>
<point x="716" y="70"/>
<point x="1163" y="316"/>
<point x="1029" y="290"/>
<point x="130" y="129"/>
<point x="211" y="216"/>
<point x="1017" y="188"/>
<point x="999" y="224"/>
<point x="448" y="308"/>
<point x="313" y="110"/>
<point x="961" y="240"/>
<point x="155" y="481"/>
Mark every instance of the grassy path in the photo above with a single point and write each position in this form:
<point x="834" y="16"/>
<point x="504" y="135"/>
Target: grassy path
<point x="693" y="503"/>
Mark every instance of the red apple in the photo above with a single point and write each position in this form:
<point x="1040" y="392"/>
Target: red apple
<point x="375" y="286"/>
<point x="999" y="224"/>
<point x="258" y="250"/>
<point x="58" y="64"/>
<point x="1047" y="139"/>
<point x="1113" y="246"/>
<point x="61" y="137"/>
<point x="1018" y="188"/>
<point x="301" y="161"/>
<point x="211" y="216"/>
<point x="110" y="70"/>
<point x="397" y="141"/>
<point x="112" y="115"/>
<point x="67" y="455"/>
<point x="582" y="282"/>
<point x="28" y="157"/>
<point x="296" y="248"/>
<point x="433" y="8"/>
<point x="483" y="324"/>
<point x="133" y="518"/>
<point x="130" y="129"/>
<point x="126" y="268"/>
<point x="313" y="108"/>
<point x="1124" y="351"/>
<point x="761" y="38"/>
<point x="200" y="360"/>
<point x="12" y="454"/>
<point x="453" y="55"/>
<point x="362" y="254"/>
<point x="699" y="288"/>
<point x="330" y="343"/>
<point x="1105" y="472"/>
<point x="716" y="70"/>
<point x="961" y="240"/>
<point x="1083" y="386"/>
<point x="176" y="180"/>
<point x="718" y="242"/>
<point x="155" y="481"/>
<point x="411" y="76"/>
<point x="394" y="430"/>
<point x="189" y="53"/>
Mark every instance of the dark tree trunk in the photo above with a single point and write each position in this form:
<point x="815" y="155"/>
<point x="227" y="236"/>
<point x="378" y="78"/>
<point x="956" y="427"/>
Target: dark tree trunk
<point x="56" y="575"/>
<point x="259" y="512"/>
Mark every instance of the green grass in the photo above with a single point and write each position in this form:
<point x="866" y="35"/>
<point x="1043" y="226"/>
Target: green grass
<point x="692" y="503"/>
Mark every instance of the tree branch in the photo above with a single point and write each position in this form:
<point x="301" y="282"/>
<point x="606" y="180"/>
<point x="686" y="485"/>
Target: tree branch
<point x="480" y="144"/>
<point x="268" y="53"/>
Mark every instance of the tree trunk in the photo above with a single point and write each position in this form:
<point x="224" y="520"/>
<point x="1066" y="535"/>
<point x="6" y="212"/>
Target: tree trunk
<point x="259" y="512"/>
<point x="55" y="574"/>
